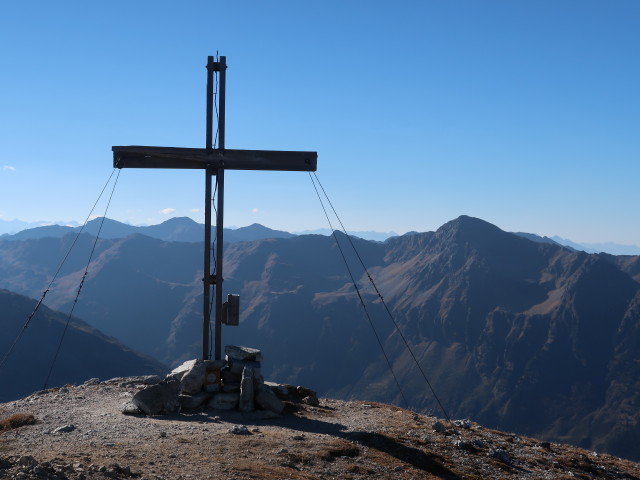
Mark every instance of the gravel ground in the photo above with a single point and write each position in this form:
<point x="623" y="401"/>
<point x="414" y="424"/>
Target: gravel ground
<point x="80" y="433"/>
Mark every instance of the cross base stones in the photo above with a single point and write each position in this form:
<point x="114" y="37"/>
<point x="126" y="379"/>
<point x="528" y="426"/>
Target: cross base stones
<point x="235" y="382"/>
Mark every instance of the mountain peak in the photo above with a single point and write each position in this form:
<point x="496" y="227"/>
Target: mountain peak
<point x="470" y="226"/>
<point x="181" y="220"/>
<point x="255" y="231"/>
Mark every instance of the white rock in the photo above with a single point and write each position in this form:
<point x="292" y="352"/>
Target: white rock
<point x="462" y="423"/>
<point x="65" y="429"/>
<point x="130" y="408"/>
<point x="193" y="380"/>
<point x="178" y="372"/>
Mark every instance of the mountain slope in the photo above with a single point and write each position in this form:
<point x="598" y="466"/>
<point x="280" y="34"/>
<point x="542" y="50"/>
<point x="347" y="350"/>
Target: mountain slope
<point x="518" y="335"/>
<point x="85" y="353"/>
<point x="521" y="335"/>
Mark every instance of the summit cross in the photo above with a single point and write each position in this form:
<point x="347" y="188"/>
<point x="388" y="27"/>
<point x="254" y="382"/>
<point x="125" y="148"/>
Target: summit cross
<point x="214" y="161"/>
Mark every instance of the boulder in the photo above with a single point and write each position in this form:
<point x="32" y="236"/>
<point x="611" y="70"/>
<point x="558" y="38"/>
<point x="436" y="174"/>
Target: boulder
<point x="242" y="353"/>
<point x="229" y="377"/>
<point x="311" y="401"/>
<point x="178" y="372"/>
<point x="268" y="400"/>
<point x="258" y="379"/>
<point x="302" y="392"/>
<point x="290" y="393"/>
<point x="236" y="366"/>
<point x="213" y="387"/>
<point x="246" y="391"/>
<point x="193" y="379"/>
<point x="239" y="430"/>
<point x="224" y="401"/>
<point x="281" y="391"/>
<point x="439" y="427"/>
<point x="190" y="402"/>
<point x="157" y="399"/>
<point x="214" y="364"/>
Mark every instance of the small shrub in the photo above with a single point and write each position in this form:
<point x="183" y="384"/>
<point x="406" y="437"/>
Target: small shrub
<point x="16" y="420"/>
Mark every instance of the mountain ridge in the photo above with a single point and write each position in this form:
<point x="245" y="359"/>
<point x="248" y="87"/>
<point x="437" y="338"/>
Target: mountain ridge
<point x="176" y="229"/>
<point x="192" y="231"/>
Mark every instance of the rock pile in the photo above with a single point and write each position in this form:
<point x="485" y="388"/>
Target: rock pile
<point x="235" y="382"/>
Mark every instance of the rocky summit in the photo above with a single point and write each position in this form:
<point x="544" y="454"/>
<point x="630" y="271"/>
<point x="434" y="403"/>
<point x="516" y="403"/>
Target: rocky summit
<point x="80" y="433"/>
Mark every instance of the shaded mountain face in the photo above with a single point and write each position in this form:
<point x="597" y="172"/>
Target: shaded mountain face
<point x="85" y="352"/>
<point x="521" y="335"/>
<point x="178" y="229"/>
<point x="525" y="336"/>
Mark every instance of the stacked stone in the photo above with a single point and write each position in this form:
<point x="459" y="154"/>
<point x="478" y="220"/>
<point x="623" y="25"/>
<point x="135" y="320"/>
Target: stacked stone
<point x="235" y="382"/>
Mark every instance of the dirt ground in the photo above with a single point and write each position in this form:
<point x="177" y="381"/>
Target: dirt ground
<point x="80" y="433"/>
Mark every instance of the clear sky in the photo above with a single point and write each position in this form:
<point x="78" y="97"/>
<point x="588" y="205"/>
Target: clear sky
<point x="523" y="113"/>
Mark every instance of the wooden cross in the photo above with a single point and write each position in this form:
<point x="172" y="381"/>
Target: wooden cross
<point x="213" y="162"/>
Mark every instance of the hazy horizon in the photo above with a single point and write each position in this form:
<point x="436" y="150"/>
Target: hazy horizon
<point x="591" y="247"/>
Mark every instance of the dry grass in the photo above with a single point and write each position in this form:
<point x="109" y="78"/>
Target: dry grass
<point x="16" y="420"/>
<point x="249" y="468"/>
<point x="338" y="449"/>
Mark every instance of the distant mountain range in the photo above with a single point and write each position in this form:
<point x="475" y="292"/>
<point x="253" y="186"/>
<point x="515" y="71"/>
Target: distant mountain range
<point x="366" y="234"/>
<point x="607" y="247"/>
<point x="86" y="352"/>
<point x="184" y="229"/>
<point x="519" y="333"/>
<point x="9" y="227"/>
<point x="179" y="229"/>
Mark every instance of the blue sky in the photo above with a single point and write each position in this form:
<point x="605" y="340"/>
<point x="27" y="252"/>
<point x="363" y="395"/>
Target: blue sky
<point x="523" y="113"/>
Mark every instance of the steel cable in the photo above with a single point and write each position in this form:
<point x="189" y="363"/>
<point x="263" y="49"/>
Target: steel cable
<point x="355" y="286"/>
<point x="55" y="276"/>
<point x="84" y="277"/>
<point x="397" y="327"/>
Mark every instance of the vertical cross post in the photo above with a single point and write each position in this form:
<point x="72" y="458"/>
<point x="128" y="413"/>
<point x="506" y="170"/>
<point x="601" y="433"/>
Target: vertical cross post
<point x="222" y="69"/>
<point x="206" y="279"/>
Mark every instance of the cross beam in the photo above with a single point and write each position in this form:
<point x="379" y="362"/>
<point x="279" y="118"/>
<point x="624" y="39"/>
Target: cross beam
<point x="213" y="162"/>
<point x="190" y="158"/>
